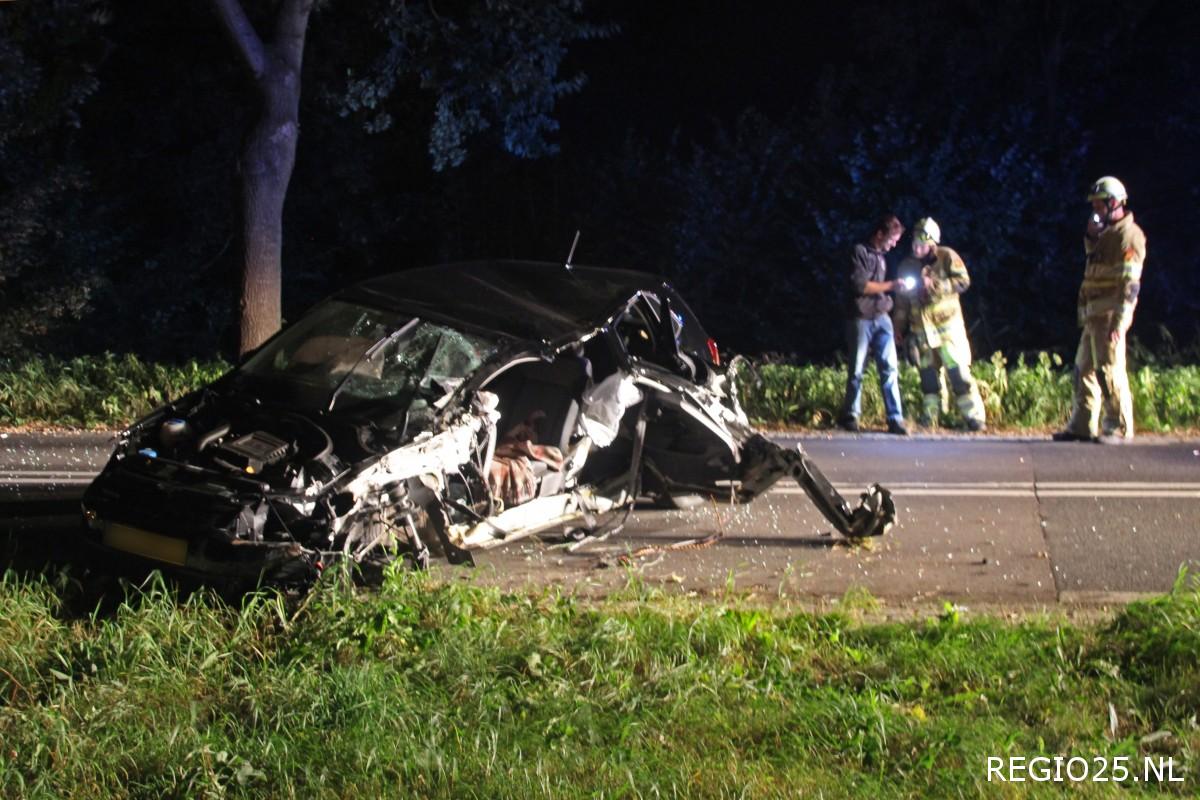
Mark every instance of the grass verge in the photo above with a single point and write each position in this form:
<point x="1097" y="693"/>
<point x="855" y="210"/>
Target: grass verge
<point x="432" y="689"/>
<point x="93" y="391"/>
<point x="111" y="391"/>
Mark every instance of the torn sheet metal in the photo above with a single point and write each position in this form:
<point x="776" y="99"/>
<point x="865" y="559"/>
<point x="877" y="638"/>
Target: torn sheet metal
<point x="409" y="417"/>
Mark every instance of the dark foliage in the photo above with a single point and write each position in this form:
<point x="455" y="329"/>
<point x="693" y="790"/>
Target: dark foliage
<point x="50" y="56"/>
<point x="739" y="154"/>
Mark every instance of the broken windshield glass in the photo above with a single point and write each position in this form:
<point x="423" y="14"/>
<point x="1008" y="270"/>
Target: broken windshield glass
<point x="343" y="355"/>
<point x="415" y="368"/>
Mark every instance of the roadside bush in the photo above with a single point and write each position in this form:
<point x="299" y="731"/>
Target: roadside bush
<point x="1027" y="395"/>
<point x="93" y="391"/>
<point x="109" y="391"/>
<point x="1166" y="399"/>
<point x="1030" y="393"/>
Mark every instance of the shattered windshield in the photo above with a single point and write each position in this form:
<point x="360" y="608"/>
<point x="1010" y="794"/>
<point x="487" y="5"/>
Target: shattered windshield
<point x="345" y="356"/>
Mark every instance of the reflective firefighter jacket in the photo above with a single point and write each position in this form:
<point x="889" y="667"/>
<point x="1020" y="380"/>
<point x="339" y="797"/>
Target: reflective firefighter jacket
<point x="933" y="317"/>
<point x="1113" y="275"/>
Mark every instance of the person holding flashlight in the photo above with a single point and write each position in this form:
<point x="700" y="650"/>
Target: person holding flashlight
<point x="929" y="321"/>
<point x="870" y="327"/>
<point x="1115" y="248"/>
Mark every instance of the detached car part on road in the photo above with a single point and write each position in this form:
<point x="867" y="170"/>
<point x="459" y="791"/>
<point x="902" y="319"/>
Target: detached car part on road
<point x="444" y="410"/>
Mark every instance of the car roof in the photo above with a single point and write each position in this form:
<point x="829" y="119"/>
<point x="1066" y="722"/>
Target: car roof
<point x="523" y="299"/>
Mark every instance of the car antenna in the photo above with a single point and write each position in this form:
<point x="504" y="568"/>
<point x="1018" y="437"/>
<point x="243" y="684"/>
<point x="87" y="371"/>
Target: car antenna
<point x="571" y="254"/>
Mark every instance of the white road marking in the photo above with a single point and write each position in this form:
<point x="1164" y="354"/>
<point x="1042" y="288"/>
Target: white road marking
<point x="1122" y="484"/>
<point x="38" y="477"/>
<point x="1047" y="489"/>
<point x="1012" y="489"/>
<point x="1096" y="493"/>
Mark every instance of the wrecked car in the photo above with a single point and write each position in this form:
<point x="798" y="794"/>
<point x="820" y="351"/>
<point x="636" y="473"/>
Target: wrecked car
<point x="441" y="411"/>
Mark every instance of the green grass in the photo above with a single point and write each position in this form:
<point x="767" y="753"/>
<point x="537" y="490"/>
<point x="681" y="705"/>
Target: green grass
<point x="1025" y="395"/>
<point x="431" y="689"/>
<point x="93" y="392"/>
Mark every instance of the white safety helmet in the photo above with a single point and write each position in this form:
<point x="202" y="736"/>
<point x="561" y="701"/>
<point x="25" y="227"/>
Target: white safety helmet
<point x="926" y="230"/>
<point x="1108" y="188"/>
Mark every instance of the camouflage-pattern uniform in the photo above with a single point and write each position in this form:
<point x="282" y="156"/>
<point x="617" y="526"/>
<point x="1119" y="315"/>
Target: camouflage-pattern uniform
<point x="932" y="322"/>
<point x="1107" y="298"/>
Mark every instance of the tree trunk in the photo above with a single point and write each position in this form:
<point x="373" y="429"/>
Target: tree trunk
<point x="268" y="158"/>
<point x="266" y="168"/>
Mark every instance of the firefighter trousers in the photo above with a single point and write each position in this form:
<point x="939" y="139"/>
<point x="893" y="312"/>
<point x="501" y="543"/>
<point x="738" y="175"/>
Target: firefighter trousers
<point x="954" y="355"/>
<point x="1101" y="384"/>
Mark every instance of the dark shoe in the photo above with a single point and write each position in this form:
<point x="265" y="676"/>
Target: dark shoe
<point x="976" y="426"/>
<point x="1071" y="436"/>
<point x="897" y="428"/>
<point x="849" y="424"/>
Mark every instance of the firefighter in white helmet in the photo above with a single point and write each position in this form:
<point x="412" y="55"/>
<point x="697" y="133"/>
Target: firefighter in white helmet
<point x="1116" y="250"/>
<point x="929" y="316"/>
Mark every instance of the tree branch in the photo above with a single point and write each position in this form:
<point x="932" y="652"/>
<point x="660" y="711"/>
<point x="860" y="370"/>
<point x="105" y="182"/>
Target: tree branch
<point x="242" y="34"/>
<point x="289" y="31"/>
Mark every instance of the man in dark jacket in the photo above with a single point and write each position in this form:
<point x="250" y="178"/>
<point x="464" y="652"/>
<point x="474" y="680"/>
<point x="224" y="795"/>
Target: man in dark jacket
<point x="870" y="327"/>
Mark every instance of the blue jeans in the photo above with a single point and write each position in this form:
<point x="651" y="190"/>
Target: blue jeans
<point x="877" y="336"/>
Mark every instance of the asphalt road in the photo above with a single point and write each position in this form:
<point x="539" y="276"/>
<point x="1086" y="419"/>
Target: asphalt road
<point x="989" y="520"/>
